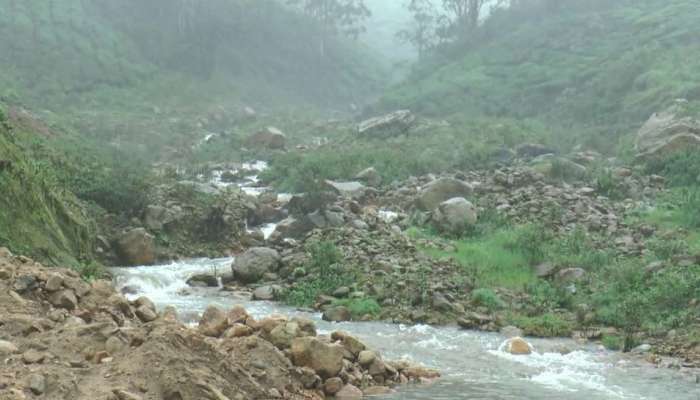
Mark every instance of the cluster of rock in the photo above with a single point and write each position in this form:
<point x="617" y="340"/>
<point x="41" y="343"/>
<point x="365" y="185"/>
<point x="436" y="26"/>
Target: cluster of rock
<point x="63" y="338"/>
<point x="192" y="215"/>
<point x="339" y="365"/>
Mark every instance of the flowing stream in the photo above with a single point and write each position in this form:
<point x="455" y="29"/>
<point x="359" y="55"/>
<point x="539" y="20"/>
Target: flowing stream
<point x="472" y="365"/>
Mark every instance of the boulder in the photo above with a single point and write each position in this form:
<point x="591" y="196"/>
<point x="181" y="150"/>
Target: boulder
<point x="370" y="177"/>
<point x="333" y="386"/>
<point x="454" y="215"/>
<point x="441" y="190"/>
<point x="337" y="314"/>
<point x="295" y="228"/>
<point x="154" y="216"/>
<point x="64" y="299"/>
<point x="136" y="247"/>
<point x="389" y="125"/>
<point x="203" y="280"/>
<point x="349" y="392"/>
<point x="250" y="266"/>
<point x="532" y="150"/>
<point x="518" y="346"/>
<point x="353" y="189"/>
<point x="283" y="334"/>
<point x="268" y="138"/>
<point x="667" y="132"/>
<point x="325" y="359"/>
<point x="569" y="275"/>
<point x="213" y="322"/>
<point x="545" y="269"/>
<point x="266" y="293"/>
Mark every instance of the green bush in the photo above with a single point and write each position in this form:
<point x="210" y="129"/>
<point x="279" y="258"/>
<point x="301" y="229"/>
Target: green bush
<point x="360" y="307"/>
<point x="612" y="342"/>
<point x="680" y="169"/>
<point x="545" y="325"/>
<point x="326" y="274"/>
<point x="487" y="298"/>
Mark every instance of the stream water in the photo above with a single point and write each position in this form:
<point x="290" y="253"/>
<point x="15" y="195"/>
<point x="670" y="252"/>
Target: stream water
<point x="473" y="367"/>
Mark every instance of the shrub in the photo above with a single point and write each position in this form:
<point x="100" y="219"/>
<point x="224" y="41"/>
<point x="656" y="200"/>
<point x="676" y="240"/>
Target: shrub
<point x="327" y="274"/>
<point x="546" y="325"/>
<point x="613" y="342"/>
<point x="487" y="298"/>
<point x="360" y="307"/>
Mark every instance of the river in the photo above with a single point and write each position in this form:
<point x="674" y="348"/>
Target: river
<point x="472" y="365"/>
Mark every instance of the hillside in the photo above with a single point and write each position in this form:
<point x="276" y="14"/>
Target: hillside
<point x="597" y="68"/>
<point x="145" y="75"/>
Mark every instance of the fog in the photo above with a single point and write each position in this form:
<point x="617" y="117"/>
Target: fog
<point x="501" y="194"/>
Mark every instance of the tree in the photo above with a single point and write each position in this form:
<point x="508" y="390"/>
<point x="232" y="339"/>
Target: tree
<point x="421" y="33"/>
<point x="463" y="16"/>
<point x="334" y="16"/>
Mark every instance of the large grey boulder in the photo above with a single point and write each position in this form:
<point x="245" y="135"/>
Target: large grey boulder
<point x="353" y="190"/>
<point x="385" y="126"/>
<point x="370" y="177"/>
<point x="136" y="247"/>
<point x="454" y="215"/>
<point x="667" y="132"/>
<point x="250" y="266"/>
<point x="441" y="190"/>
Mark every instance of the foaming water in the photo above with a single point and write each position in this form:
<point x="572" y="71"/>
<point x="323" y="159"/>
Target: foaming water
<point x="473" y="364"/>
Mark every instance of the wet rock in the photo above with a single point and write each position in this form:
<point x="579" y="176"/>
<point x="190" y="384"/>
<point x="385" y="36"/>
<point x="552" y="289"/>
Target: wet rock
<point x="37" y="384"/>
<point x="136" y="247"/>
<point x="454" y="215"/>
<point x="389" y="125"/>
<point x="337" y="314"/>
<point x="250" y="266"/>
<point x="325" y="359"/>
<point x="266" y="293"/>
<point x="441" y="190"/>
<point x="213" y="322"/>
<point x="518" y="346"/>
<point x="350" y="343"/>
<point x="349" y="392"/>
<point x="203" y="280"/>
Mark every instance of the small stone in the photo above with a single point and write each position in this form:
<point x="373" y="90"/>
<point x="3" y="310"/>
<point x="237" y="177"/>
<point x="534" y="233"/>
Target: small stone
<point x="54" y="283"/>
<point x="25" y="283"/>
<point x="366" y="358"/>
<point x="114" y="345"/>
<point x="64" y="299"/>
<point x="146" y="314"/>
<point x="33" y="357"/>
<point x="349" y="392"/>
<point x="7" y="348"/>
<point x="37" y="384"/>
<point x="337" y="314"/>
<point x="333" y="386"/>
<point x="124" y="395"/>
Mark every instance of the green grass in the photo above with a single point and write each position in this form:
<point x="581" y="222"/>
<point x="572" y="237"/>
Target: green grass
<point x="545" y="325"/>
<point x="360" y="307"/>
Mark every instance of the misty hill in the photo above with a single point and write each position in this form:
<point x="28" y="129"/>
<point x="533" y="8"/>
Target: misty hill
<point x="87" y="53"/>
<point x="599" y="67"/>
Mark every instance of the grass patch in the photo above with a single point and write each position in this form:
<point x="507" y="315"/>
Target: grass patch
<point x="545" y="325"/>
<point x="487" y="298"/>
<point x="360" y="307"/>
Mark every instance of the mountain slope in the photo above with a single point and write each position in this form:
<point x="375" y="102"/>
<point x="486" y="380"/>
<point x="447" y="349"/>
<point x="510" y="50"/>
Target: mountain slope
<point x="596" y="67"/>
